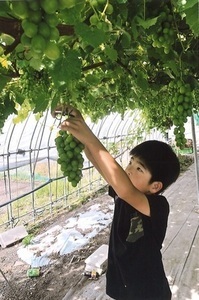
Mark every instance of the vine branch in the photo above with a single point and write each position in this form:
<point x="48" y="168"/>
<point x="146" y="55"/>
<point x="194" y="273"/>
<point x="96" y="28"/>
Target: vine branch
<point x="93" y="66"/>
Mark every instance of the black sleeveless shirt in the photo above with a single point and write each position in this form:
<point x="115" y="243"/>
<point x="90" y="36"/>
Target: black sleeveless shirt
<point x="135" y="269"/>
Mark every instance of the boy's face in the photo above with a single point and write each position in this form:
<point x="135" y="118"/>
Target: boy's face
<point x="139" y="175"/>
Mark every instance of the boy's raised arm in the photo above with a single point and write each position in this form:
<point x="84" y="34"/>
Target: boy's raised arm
<point x="105" y="163"/>
<point x="92" y="160"/>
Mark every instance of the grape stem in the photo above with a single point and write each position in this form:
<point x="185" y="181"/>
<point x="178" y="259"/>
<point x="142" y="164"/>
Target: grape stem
<point x="176" y="26"/>
<point x="105" y="8"/>
<point x="144" y="9"/>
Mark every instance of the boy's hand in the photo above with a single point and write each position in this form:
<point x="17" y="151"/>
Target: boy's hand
<point x="76" y="125"/>
<point x="62" y="110"/>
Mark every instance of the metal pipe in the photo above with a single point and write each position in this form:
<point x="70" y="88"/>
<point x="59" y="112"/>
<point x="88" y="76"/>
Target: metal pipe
<point x="195" y="154"/>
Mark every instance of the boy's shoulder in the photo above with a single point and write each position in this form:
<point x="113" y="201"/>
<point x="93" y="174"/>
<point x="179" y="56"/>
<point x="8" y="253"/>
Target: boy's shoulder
<point x="158" y="200"/>
<point x="159" y="208"/>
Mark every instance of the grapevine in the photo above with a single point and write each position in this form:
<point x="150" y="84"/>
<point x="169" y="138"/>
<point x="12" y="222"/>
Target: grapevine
<point x="70" y="156"/>
<point x="104" y="55"/>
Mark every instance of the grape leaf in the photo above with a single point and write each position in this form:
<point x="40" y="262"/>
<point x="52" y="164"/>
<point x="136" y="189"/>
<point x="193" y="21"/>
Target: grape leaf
<point x="92" y="36"/>
<point x="41" y="102"/>
<point x="134" y="30"/>
<point x="126" y="40"/>
<point x="146" y="23"/>
<point x="9" y="105"/>
<point x="141" y="80"/>
<point x="19" y="97"/>
<point x="171" y="69"/>
<point x="73" y="65"/>
<point x="4" y="9"/>
<point x="190" y="3"/>
<point x="93" y="79"/>
<point x="73" y="15"/>
<point x="55" y="101"/>
<point x="67" y="68"/>
<point x="111" y="53"/>
<point x="3" y="81"/>
<point x="192" y="19"/>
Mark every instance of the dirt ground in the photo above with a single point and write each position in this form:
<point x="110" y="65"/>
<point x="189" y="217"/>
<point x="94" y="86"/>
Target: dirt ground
<point x="56" y="279"/>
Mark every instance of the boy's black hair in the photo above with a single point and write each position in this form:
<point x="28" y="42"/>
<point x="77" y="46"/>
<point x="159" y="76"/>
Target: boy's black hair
<point x="160" y="159"/>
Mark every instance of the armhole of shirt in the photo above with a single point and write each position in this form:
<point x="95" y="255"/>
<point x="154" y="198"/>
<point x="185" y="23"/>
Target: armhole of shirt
<point x="111" y="192"/>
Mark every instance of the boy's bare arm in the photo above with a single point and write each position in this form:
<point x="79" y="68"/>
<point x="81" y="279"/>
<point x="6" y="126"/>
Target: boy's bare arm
<point x="105" y="163"/>
<point x="92" y="160"/>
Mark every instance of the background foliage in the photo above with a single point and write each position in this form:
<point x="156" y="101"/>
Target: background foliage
<point x="102" y="56"/>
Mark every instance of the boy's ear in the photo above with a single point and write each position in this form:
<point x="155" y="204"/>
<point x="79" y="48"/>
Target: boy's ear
<point x="156" y="186"/>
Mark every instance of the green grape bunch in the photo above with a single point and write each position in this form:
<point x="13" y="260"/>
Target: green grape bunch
<point x="70" y="156"/>
<point x="165" y="35"/>
<point x="33" y="80"/>
<point x="181" y="106"/>
<point x="39" y="21"/>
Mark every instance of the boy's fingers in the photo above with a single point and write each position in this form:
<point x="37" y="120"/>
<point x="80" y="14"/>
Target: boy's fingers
<point x="66" y="110"/>
<point x="73" y="112"/>
<point x="59" y="110"/>
<point x="56" y="111"/>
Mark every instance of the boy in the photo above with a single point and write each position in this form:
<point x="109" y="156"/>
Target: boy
<point x="135" y="270"/>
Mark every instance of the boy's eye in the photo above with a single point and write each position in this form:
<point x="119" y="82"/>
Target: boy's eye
<point x="132" y="159"/>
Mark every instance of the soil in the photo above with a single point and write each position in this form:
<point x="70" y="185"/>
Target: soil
<point x="57" y="279"/>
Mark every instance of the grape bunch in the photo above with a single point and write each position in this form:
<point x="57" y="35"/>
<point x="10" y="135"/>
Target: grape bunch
<point x="165" y="35"/>
<point x="33" y="80"/>
<point x="181" y="105"/>
<point x="101" y="10"/>
<point x="70" y="156"/>
<point x="39" y="20"/>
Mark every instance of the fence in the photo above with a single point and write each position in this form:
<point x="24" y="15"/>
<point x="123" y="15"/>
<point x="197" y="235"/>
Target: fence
<point x="32" y="187"/>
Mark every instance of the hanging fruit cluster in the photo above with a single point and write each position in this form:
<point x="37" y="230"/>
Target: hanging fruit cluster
<point x="39" y="24"/>
<point x="70" y="157"/>
<point x="101" y="10"/>
<point x="165" y="35"/>
<point x="33" y="81"/>
<point x="181" y="105"/>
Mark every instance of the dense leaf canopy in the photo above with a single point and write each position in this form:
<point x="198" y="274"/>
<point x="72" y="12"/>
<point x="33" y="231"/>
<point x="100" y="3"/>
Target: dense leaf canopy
<point x="101" y="55"/>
